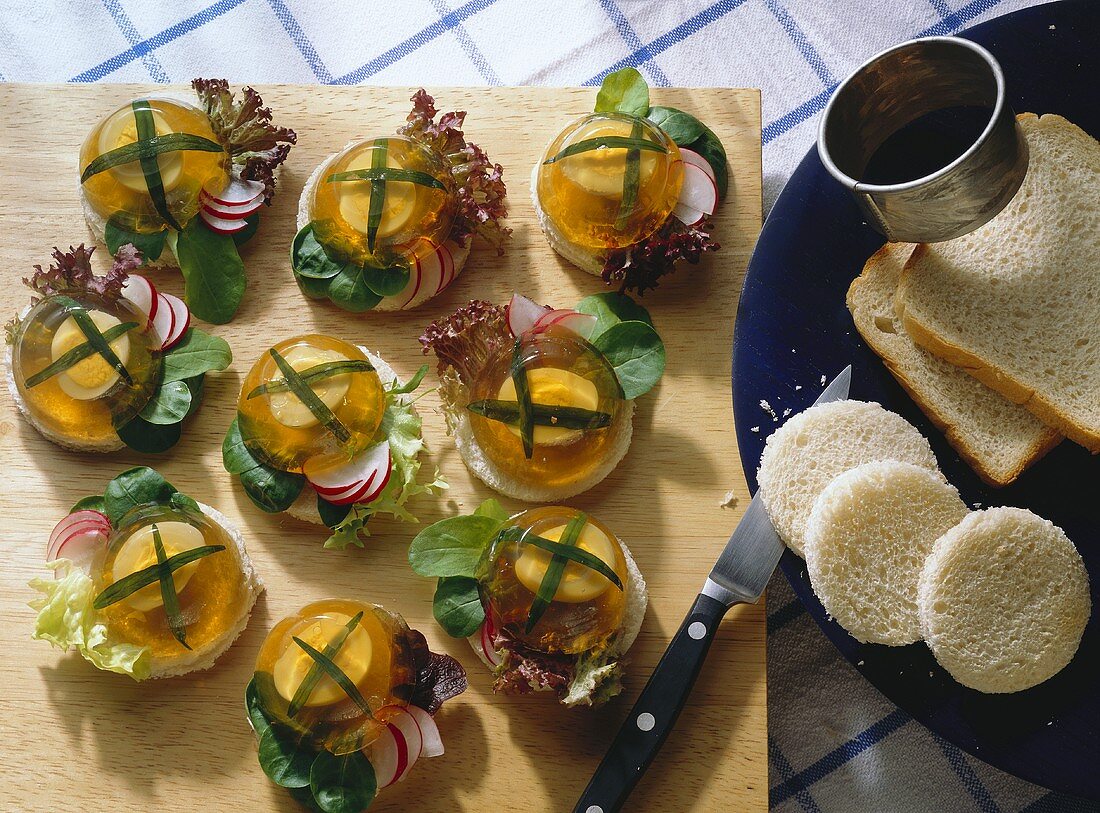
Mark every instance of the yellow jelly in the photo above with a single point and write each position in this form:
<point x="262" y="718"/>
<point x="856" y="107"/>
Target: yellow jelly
<point x="587" y="608"/>
<point x="414" y="217"/>
<point x="84" y="403"/>
<point x="122" y="193"/>
<point x="587" y="196"/>
<point x="562" y="370"/>
<point x="283" y="431"/>
<point x="375" y="655"/>
<point x="212" y="590"/>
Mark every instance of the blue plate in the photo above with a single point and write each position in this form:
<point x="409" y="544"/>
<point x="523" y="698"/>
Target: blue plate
<point x="793" y="328"/>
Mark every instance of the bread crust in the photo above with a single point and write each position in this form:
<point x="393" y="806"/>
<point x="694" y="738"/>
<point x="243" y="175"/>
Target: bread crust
<point x="582" y="258"/>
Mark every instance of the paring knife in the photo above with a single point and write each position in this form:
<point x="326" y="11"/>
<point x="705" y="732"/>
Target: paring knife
<point x="739" y="577"/>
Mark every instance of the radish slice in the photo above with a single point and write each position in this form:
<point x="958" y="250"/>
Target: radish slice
<point x="699" y="191"/>
<point x="429" y="732"/>
<point x="238" y="193"/>
<point x="142" y="294"/>
<point x="77" y="522"/>
<point x="689" y="216"/>
<point x="231" y="212"/>
<point x="220" y="225"/>
<point x="523" y="313"/>
<point x="397" y="747"/>
<point x="549" y="318"/>
<point x="414" y="739"/>
<point x="181" y="319"/>
<point x="81" y="548"/>
<point x="583" y="324"/>
<point x="351" y="482"/>
<point x="696" y="160"/>
<point x="482" y="642"/>
<point x="447" y="260"/>
<point x="164" y="321"/>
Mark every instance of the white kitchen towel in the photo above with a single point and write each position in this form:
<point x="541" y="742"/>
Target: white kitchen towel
<point x="836" y="744"/>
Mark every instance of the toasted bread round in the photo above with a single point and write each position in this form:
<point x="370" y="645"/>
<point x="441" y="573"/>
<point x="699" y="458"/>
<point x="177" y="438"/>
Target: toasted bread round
<point x="200" y="659"/>
<point x="305" y="507"/>
<point x="866" y="541"/>
<point x="583" y="258"/>
<point x="1004" y="600"/>
<point x="808" y="451"/>
<point x="637" y="600"/>
<point x="388" y="303"/>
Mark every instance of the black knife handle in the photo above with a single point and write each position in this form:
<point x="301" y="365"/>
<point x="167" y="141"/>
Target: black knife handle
<point x="649" y="722"/>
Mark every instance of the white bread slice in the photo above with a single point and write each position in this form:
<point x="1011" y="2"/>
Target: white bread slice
<point x="583" y="258"/>
<point x="200" y="659"/>
<point x="813" y="447"/>
<point x="999" y="439"/>
<point x="1004" y="600"/>
<point x="1015" y="302"/>
<point x="388" y="303"/>
<point x="866" y="541"/>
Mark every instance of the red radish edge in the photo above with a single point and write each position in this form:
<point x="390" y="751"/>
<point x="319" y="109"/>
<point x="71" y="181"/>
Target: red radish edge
<point x="165" y="321"/>
<point x="431" y="741"/>
<point x="231" y="212"/>
<point x="245" y="193"/>
<point x="220" y="225"/>
<point x="142" y="294"/>
<point x="82" y="521"/>
<point x="695" y="159"/>
<point x="401" y="734"/>
<point x="181" y="320"/>
<point x="337" y="479"/>
<point x="699" y="190"/>
<point x="689" y="216"/>
<point x="523" y="314"/>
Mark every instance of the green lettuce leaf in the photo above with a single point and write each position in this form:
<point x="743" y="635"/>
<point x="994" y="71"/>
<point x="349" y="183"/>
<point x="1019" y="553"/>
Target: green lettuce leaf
<point x="66" y="618"/>
<point x="596" y="680"/>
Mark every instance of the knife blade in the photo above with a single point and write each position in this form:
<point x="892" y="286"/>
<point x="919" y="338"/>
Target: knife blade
<point x="739" y="576"/>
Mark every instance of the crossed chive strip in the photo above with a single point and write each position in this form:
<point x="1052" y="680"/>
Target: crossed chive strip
<point x="145" y="150"/>
<point x="379" y="175"/>
<point x="86" y="349"/>
<point x="162" y="571"/>
<point x="562" y="553"/>
<point x="324" y="663"/>
<point x="305" y="394"/>
<point x="318" y="372"/>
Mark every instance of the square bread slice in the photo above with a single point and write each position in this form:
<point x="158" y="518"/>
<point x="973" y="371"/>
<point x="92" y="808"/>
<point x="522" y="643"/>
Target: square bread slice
<point x="1016" y="302"/>
<point x="999" y="439"/>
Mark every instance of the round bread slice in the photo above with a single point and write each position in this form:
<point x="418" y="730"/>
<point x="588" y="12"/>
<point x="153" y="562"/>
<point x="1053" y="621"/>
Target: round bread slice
<point x="200" y="659"/>
<point x="808" y="451"/>
<point x="583" y="258"/>
<point x="867" y="537"/>
<point x="389" y="303"/>
<point x="1004" y="600"/>
<point x="305" y="507"/>
<point x="637" y="600"/>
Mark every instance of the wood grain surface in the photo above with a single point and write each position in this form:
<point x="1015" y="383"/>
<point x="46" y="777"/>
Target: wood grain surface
<point x="75" y="738"/>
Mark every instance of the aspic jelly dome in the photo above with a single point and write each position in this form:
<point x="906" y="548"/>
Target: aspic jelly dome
<point x="609" y="180"/>
<point x="145" y="194"/>
<point x="383" y="202"/>
<point x="178" y="615"/>
<point x="585" y="609"/>
<point x="575" y="401"/>
<point x="311" y="399"/>
<point x="369" y="645"/>
<point x="85" y="364"/>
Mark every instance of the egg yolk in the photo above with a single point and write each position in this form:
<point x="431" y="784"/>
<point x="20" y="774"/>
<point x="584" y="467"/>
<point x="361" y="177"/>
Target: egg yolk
<point x="587" y="608"/>
<point x="375" y="655"/>
<point x="211" y="590"/>
<point x="562" y="370"/>
<point x="594" y="198"/>
<point x="121" y="193"/>
<point x="87" y="401"/>
<point x="283" y="431"/>
<point x="415" y="216"/>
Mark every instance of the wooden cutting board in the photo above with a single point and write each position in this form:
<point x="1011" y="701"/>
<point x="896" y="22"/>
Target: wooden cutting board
<point x="76" y="738"/>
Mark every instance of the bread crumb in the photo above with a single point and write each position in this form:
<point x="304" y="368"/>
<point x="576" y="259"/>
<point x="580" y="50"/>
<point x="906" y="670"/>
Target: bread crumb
<point x="823" y="381"/>
<point x="797" y="387"/>
<point x="730" y="500"/>
<point x="786" y="412"/>
<point x="764" y="405"/>
<point x="859" y="663"/>
<point x="1051" y="28"/>
<point x="755" y="429"/>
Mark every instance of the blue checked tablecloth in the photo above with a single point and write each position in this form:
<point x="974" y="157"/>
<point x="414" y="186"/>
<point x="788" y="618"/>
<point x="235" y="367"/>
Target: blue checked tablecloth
<point x="835" y="743"/>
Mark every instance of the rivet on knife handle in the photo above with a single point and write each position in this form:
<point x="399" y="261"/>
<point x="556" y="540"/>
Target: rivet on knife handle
<point x="655" y="711"/>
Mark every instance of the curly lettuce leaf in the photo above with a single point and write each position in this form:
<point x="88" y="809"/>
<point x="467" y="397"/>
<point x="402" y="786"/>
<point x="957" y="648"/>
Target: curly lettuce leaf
<point x="641" y="266"/>
<point x="67" y="619"/>
<point x="468" y="338"/>
<point x="589" y="679"/>
<point x="401" y="426"/>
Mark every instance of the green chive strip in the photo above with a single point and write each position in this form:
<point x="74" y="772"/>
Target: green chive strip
<point x="377" y="191"/>
<point x="319" y="372"/>
<point x="168" y="593"/>
<point x="607" y="142"/>
<point x="552" y="577"/>
<point x="631" y="179"/>
<point x="572" y="553"/>
<point x="129" y="585"/>
<point x="308" y="397"/>
<point x="562" y="417"/>
<point x="94" y="337"/>
<point x="337" y="674"/>
<point x="76" y="355"/>
<point x="315" y="673"/>
<point x="388" y="174"/>
<point x="149" y="148"/>
<point x="150" y="164"/>
<point x="523" y="399"/>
